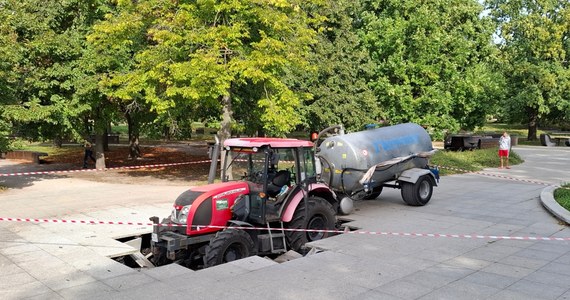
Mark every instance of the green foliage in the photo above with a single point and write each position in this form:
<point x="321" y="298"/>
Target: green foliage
<point x="207" y="50"/>
<point x="562" y="196"/>
<point x="434" y="61"/>
<point x="270" y="67"/>
<point x="4" y="133"/>
<point x="337" y="84"/>
<point x="46" y="40"/>
<point x="475" y="160"/>
<point x="534" y="48"/>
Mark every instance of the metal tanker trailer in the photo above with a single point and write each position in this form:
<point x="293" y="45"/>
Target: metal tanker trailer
<point x="359" y="165"/>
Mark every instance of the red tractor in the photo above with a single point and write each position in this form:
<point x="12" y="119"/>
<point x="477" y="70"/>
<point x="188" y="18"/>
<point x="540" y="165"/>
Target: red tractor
<point x="266" y="183"/>
<point x="273" y="199"/>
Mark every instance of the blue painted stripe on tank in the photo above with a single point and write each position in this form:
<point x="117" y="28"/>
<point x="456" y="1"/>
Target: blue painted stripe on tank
<point x="388" y="145"/>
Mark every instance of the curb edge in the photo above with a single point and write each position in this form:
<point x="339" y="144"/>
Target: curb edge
<point x="547" y="200"/>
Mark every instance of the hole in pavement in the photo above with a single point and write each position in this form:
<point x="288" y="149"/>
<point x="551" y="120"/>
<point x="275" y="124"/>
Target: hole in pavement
<point x="141" y="256"/>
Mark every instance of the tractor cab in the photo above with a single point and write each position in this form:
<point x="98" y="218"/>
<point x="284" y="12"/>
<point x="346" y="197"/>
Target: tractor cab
<point x="273" y="168"/>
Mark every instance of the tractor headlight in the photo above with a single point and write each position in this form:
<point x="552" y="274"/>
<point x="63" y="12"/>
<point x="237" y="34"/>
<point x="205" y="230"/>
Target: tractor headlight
<point x="183" y="215"/>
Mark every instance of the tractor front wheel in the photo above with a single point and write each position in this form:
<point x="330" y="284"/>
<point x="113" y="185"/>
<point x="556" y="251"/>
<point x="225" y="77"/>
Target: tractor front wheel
<point x="320" y="215"/>
<point x="228" y="245"/>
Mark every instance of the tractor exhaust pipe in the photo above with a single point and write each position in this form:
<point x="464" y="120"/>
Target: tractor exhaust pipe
<point x="214" y="154"/>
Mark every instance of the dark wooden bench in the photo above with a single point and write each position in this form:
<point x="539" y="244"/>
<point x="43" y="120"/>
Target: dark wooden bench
<point x="33" y="156"/>
<point x="488" y="142"/>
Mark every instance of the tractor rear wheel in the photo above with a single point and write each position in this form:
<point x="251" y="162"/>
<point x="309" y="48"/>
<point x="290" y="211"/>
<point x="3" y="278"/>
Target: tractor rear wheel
<point x="228" y="245"/>
<point x="419" y="193"/>
<point x="320" y="215"/>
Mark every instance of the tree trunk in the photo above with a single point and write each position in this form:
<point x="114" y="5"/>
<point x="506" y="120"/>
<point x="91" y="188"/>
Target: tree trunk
<point x="99" y="151"/>
<point x="532" y="124"/>
<point x="106" y="140"/>
<point x="134" y="148"/>
<point x="225" y="131"/>
<point x="58" y="141"/>
<point x="100" y="133"/>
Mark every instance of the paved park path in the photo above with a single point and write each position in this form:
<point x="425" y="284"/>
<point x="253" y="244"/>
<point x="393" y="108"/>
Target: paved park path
<point x="69" y="261"/>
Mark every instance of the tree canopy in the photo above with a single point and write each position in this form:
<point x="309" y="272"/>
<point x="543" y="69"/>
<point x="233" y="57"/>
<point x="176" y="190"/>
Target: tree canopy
<point x="433" y="61"/>
<point x="535" y="44"/>
<point x="269" y="67"/>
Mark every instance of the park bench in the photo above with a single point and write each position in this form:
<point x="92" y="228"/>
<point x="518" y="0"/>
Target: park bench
<point x="546" y="140"/>
<point x="33" y="156"/>
<point x="488" y="142"/>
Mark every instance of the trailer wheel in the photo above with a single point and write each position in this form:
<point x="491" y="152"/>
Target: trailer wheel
<point x="319" y="216"/>
<point x="419" y="193"/>
<point x="228" y="245"/>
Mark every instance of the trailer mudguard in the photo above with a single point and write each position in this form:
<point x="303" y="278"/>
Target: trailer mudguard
<point x="412" y="175"/>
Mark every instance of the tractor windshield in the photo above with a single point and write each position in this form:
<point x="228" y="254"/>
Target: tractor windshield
<point x="245" y="166"/>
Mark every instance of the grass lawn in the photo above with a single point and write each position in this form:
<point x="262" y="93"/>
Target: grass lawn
<point x="474" y="160"/>
<point x="562" y="196"/>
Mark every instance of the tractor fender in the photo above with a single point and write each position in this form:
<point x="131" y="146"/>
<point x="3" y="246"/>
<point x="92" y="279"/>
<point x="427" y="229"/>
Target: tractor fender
<point x="412" y="175"/>
<point x="287" y="215"/>
<point x="238" y="223"/>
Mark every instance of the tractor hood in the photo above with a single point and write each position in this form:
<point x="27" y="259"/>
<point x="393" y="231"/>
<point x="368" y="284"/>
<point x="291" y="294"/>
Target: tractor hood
<point x="216" y="190"/>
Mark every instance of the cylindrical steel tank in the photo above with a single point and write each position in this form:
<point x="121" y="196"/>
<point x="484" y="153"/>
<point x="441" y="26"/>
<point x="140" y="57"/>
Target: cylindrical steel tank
<point x="345" y="158"/>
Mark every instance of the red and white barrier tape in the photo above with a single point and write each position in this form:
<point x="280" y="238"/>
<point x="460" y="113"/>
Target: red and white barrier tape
<point x="106" y="169"/>
<point x="464" y="236"/>
<point x="363" y="232"/>
<point x="501" y="176"/>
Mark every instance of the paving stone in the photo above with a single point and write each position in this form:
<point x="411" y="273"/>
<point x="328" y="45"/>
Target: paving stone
<point x="538" y="290"/>
<point x="22" y="291"/>
<point x="524" y="262"/>
<point x="92" y="290"/>
<point x="47" y="268"/>
<point x="491" y="279"/>
<point x="558" y="268"/>
<point x="538" y="254"/>
<point x="492" y="252"/>
<point x="404" y="289"/>
<point x="223" y="271"/>
<point x="128" y="281"/>
<point x="14" y="280"/>
<point x="162" y="273"/>
<point x="512" y="295"/>
<point x="8" y="268"/>
<point x="549" y="278"/>
<point x="160" y="290"/>
<point x="20" y="248"/>
<point x="51" y="295"/>
<point x="565" y="259"/>
<point x="429" y="280"/>
<point x="565" y="296"/>
<point x="101" y="267"/>
<point x="60" y="282"/>
<point x="467" y="262"/>
<point x="461" y="290"/>
<point x="253" y="263"/>
<point x="507" y="270"/>
<point x="450" y="271"/>
<point x="374" y="295"/>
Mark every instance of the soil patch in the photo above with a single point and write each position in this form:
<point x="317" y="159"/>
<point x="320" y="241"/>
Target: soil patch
<point x="117" y="156"/>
